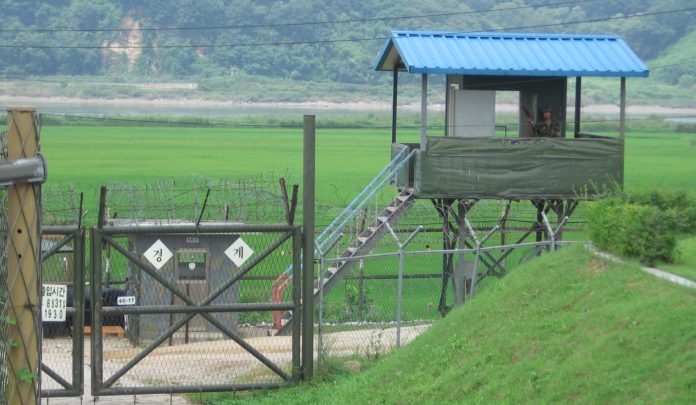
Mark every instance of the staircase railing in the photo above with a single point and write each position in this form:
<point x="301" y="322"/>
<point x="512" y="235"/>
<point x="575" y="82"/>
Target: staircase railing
<point x="335" y="229"/>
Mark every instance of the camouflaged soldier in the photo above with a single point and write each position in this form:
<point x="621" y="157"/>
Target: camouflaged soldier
<point x="547" y="128"/>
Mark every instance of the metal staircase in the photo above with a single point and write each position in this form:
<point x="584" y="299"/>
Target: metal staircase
<point x="365" y="240"/>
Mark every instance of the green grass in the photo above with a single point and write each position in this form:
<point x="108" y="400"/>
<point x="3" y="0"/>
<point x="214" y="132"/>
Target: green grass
<point x="660" y="160"/>
<point x="685" y="264"/>
<point x="347" y="159"/>
<point x="564" y="328"/>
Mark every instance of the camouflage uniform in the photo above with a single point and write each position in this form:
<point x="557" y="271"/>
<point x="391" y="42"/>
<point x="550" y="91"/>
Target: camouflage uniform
<point x="542" y="131"/>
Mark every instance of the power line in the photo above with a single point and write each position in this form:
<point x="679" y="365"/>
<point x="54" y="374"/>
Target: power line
<point x="295" y="24"/>
<point x="329" y="41"/>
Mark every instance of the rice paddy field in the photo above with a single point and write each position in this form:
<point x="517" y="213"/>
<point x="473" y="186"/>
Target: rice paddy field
<point x="346" y="159"/>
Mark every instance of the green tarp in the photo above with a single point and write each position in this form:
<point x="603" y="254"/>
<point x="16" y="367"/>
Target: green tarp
<point x="517" y="168"/>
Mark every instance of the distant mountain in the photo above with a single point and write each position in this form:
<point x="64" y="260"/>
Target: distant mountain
<point x="309" y="40"/>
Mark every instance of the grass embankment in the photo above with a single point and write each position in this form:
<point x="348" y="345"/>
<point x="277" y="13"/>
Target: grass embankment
<point x="567" y="327"/>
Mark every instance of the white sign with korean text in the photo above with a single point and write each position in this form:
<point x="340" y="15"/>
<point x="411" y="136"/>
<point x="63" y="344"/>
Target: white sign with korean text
<point x="125" y="300"/>
<point x="239" y="252"/>
<point x="54" y="299"/>
<point x="158" y="254"/>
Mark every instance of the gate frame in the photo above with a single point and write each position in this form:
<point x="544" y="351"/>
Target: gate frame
<point x="70" y="234"/>
<point x="106" y="235"/>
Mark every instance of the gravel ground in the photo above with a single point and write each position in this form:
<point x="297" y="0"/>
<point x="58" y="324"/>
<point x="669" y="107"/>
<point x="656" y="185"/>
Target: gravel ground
<point x="204" y="363"/>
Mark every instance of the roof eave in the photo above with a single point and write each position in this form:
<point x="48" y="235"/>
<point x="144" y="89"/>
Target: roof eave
<point x="502" y="72"/>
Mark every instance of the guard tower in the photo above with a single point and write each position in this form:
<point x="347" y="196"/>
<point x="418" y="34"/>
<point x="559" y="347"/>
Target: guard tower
<point x="470" y="163"/>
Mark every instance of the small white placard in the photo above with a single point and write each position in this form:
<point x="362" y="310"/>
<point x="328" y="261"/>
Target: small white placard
<point x="158" y="254"/>
<point x="54" y="299"/>
<point x="239" y="252"/>
<point x="125" y="300"/>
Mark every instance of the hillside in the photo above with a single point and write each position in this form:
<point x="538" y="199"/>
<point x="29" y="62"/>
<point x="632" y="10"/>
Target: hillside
<point x="307" y="40"/>
<point x="676" y="63"/>
<point x="564" y="328"/>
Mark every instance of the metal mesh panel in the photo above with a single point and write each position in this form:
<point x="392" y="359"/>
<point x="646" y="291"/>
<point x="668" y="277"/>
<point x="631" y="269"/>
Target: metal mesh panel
<point x="62" y="343"/>
<point x="218" y="348"/>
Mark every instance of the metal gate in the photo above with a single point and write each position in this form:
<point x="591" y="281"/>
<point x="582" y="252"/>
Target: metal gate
<point x="62" y="255"/>
<point x="195" y="312"/>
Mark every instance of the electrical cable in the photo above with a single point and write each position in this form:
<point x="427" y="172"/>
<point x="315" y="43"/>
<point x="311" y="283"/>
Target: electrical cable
<point x="328" y="41"/>
<point x="296" y="24"/>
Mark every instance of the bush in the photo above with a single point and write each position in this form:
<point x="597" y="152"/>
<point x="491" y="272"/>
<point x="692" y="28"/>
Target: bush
<point x="677" y="205"/>
<point x="640" y="231"/>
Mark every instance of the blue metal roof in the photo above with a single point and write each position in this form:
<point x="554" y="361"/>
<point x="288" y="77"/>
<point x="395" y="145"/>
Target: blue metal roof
<point x="510" y="54"/>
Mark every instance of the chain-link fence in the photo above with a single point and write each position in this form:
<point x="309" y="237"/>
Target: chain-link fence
<point x="4" y="389"/>
<point x="62" y="251"/>
<point x="408" y="279"/>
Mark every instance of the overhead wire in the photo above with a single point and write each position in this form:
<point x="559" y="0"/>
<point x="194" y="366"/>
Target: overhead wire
<point x="295" y="24"/>
<point x="327" y="41"/>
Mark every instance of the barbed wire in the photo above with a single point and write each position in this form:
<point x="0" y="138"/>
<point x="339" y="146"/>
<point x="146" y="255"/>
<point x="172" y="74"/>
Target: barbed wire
<point x="250" y="200"/>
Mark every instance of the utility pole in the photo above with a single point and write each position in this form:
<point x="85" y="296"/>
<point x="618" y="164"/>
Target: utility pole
<point x="23" y="264"/>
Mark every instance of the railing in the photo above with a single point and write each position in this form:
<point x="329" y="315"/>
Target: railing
<point x="327" y="239"/>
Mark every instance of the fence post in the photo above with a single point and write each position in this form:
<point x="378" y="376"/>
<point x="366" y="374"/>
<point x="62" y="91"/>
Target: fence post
<point x="558" y="229"/>
<point x="550" y="231"/>
<point x="320" y="340"/>
<point x="479" y="243"/>
<point x="308" y="247"/>
<point x="296" y="300"/>
<point x="23" y="264"/>
<point x="400" y="287"/>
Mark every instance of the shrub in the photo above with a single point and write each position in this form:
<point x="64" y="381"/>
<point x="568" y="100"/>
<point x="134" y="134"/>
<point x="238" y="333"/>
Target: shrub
<point x="647" y="234"/>
<point x="640" y="231"/>
<point x="677" y="205"/>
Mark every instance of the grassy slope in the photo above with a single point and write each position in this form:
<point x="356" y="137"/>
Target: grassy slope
<point x="565" y="328"/>
<point x="685" y="264"/>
